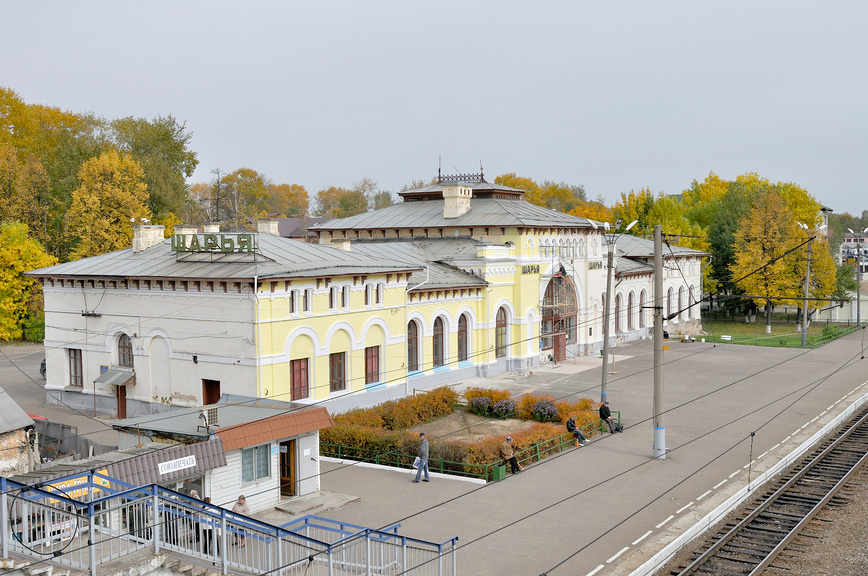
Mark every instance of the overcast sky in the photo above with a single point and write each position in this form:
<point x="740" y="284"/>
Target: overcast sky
<point x="610" y="95"/>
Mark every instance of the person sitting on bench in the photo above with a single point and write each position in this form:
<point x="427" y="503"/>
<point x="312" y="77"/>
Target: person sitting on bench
<point x="606" y="414"/>
<point x="575" y="431"/>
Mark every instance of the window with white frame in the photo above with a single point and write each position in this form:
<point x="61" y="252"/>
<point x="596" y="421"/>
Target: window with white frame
<point x="255" y="463"/>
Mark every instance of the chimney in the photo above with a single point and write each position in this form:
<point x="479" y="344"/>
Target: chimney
<point x="145" y="236"/>
<point x="456" y="200"/>
<point x="341" y="244"/>
<point x="212" y="228"/>
<point x="268" y="226"/>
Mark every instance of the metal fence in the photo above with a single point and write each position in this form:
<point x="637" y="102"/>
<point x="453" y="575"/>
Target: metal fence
<point x="101" y="519"/>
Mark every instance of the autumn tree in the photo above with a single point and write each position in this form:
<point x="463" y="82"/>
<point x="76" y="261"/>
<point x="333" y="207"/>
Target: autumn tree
<point x="162" y="149"/>
<point x="335" y="202"/>
<point x="594" y="210"/>
<point x="763" y="264"/>
<point x="290" y="200"/>
<point x="24" y="192"/>
<point x="112" y="194"/>
<point x="382" y="199"/>
<point x="20" y="296"/>
<point x="246" y="192"/>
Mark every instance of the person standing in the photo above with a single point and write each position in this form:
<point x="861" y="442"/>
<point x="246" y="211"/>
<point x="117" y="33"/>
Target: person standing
<point x="423" y="458"/>
<point x="575" y="431"/>
<point x="241" y="507"/>
<point x="208" y="531"/>
<point x="508" y="454"/>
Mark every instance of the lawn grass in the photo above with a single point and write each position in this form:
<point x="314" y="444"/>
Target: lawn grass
<point x="754" y="334"/>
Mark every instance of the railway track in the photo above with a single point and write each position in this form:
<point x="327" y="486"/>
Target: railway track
<point x="750" y="544"/>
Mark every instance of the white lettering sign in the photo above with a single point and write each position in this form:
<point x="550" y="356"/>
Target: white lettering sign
<point x="175" y="465"/>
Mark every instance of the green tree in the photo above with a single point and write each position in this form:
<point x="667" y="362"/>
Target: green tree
<point x="246" y="191"/>
<point x="335" y="202"/>
<point x="19" y="295"/>
<point x="382" y="199"/>
<point x="111" y="195"/>
<point x="162" y="148"/>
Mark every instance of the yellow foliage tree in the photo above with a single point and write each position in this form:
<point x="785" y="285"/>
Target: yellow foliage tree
<point x="111" y="195"/>
<point x="593" y="210"/>
<point x="289" y="200"/>
<point x="762" y="266"/>
<point x="19" y="253"/>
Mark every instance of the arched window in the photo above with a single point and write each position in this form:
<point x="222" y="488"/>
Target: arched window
<point x="412" y="346"/>
<point x="500" y="334"/>
<point x="669" y="302"/>
<point x="462" y="338"/>
<point x="437" y="341"/>
<point x="642" y="309"/>
<point x="680" y="302"/>
<point x="618" y="314"/>
<point x="125" y="351"/>
<point x="630" y="325"/>
<point x="690" y="312"/>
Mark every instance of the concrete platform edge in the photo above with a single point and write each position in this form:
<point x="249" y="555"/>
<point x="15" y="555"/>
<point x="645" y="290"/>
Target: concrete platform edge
<point x="401" y="470"/>
<point x="666" y="554"/>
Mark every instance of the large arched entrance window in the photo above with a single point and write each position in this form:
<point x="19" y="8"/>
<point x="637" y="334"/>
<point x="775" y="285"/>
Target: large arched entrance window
<point x="559" y="311"/>
<point x="437" y="342"/>
<point x="462" y="338"/>
<point x="500" y="333"/>
<point x="412" y="346"/>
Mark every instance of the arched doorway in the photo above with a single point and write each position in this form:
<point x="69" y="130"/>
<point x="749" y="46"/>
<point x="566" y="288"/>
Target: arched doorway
<point x="559" y="311"/>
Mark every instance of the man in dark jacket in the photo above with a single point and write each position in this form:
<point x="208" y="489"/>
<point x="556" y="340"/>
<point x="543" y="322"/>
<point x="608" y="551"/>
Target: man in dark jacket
<point x="575" y="431"/>
<point x="423" y="458"/>
<point x="508" y="454"/>
<point x="606" y="414"/>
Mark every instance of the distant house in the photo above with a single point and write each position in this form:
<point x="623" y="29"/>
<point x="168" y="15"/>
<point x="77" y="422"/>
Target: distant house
<point x="19" y="449"/>
<point x="271" y="447"/>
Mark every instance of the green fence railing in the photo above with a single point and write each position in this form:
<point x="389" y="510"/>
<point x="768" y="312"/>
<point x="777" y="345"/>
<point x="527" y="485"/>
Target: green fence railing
<point x="486" y="472"/>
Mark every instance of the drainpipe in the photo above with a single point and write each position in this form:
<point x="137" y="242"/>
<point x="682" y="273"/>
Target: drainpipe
<point x="256" y="328"/>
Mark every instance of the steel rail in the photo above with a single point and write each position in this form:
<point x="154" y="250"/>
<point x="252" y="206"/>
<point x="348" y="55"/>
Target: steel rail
<point x="769" y="501"/>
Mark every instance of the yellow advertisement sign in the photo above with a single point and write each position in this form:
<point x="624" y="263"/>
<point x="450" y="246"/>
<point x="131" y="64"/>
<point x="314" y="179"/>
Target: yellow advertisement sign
<point x="68" y="486"/>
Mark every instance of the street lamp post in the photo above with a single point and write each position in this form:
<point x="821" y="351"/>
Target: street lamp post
<point x="611" y="239"/>
<point x="859" y="260"/>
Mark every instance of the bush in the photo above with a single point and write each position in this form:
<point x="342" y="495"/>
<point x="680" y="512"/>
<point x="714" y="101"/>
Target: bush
<point x="404" y="413"/>
<point x="831" y="331"/>
<point x="503" y="408"/>
<point x="544" y="411"/>
<point x="479" y="405"/>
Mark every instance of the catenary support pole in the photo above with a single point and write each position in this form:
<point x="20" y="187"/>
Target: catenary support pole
<point x="659" y="408"/>
<point x="610" y="243"/>
<point x="807" y="294"/>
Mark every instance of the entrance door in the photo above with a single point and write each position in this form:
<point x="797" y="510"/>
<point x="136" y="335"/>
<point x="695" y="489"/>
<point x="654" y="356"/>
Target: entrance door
<point x="122" y="402"/>
<point x="210" y="391"/>
<point x="560" y="349"/>
<point x="287" y="469"/>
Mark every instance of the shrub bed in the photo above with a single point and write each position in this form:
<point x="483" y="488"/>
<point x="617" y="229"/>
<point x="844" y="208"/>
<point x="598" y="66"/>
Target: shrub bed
<point x="379" y="433"/>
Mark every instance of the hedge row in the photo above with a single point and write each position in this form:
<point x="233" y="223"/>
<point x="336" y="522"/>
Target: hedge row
<point x="404" y="413"/>
<point x="542" y="408"/>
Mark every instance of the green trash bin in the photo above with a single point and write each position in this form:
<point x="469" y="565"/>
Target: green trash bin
<point x="499" y="473"/>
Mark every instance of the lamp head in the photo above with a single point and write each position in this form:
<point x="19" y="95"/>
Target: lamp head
<point x="631" y="224"/>
<point x="618" y="223"/>
<point x="606" y="225"/>
<point x="850" y="231"/>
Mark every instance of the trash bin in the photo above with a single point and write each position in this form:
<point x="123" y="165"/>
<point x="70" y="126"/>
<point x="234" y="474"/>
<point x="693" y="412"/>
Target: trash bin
<point x="499" y="473"/>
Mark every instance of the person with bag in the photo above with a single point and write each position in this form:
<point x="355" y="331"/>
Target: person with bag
<point x="606" y="415"/>
<point x="423" y="458"/>
<point x="575" y="431"/>
<point x="508" y="454"/>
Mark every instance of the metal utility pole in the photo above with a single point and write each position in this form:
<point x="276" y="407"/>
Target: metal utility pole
<point x="659" y="408"/>
<point x="606" y="307"/>
<point x="859" y="260"/>
<point x="611" y="239"/>
<point x="807" y="294"/>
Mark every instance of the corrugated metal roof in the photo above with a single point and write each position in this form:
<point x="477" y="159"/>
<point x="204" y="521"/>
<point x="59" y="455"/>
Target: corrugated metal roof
<point x="12" y="417"/>
<point x="279" y="258"/>
<point x="484" y="212"/>
<point x="275" y="428"/>
<point x="432" y="253"/>
<point x="138" y="465"/>
<point x="635" y="247"/>
<point x="239" y="419"/>
<point x="116" y="376"/>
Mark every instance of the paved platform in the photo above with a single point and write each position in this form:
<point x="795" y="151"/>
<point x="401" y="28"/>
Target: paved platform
<point x="607" y="507"/>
